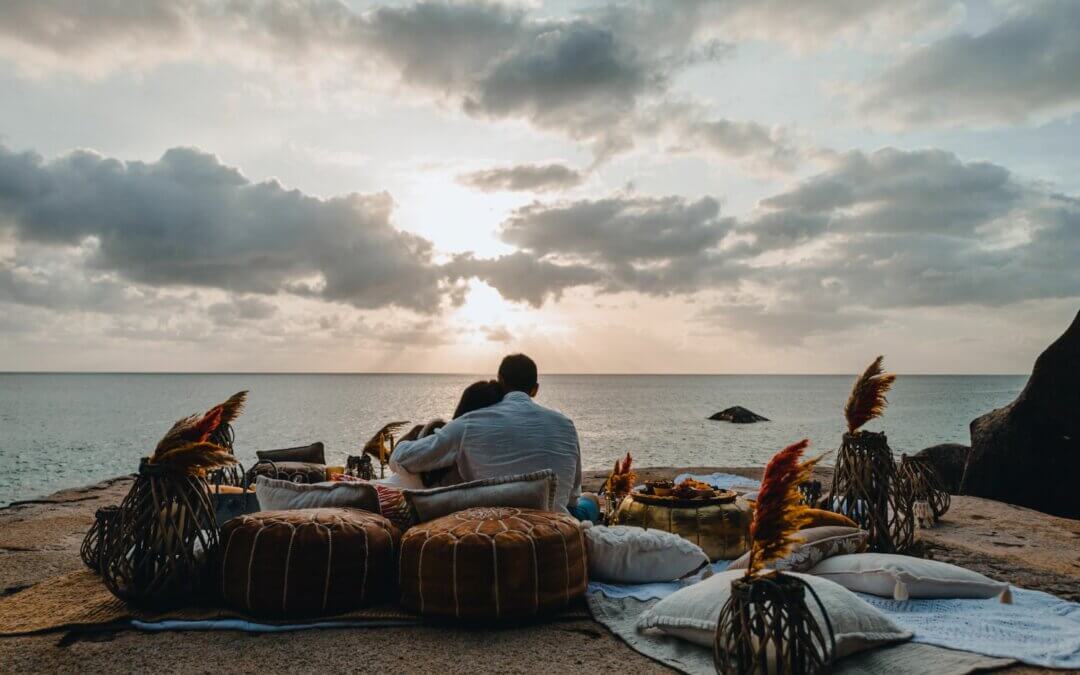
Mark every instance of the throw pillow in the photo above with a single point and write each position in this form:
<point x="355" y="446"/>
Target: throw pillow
<point x="817" y="544"/>
<point x="632" y="555"/>
<point x="692" y="613"/>
<point x="313" y="454"/>
<point x="819" y="517"/>
<point x="283" y="495"/>
<point x="901" y="577"/>
<point x="534" y="490"/>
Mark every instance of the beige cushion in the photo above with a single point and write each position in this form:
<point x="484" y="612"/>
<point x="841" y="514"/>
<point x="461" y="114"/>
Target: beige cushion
<point x="534" y="490"/>
<point x="692" y="612"/>
<point x="901" y="577"/>
<point x="283" y="495"/>
<point x="818" y="543"/>
<point x="632" y="555"/>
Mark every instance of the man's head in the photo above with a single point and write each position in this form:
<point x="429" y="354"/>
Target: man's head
<point x="517" y="372"/>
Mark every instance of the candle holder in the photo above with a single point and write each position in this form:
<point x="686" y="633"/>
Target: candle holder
<point x="867" y="489"/>
<point x="924" y="485"/>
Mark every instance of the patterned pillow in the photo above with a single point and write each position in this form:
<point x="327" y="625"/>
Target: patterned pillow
<point x="394" y="507"/>
<point x="818" y="543"/>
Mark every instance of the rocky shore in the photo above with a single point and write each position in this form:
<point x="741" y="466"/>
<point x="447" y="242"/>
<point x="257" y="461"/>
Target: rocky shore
<point x="40" y="539"/>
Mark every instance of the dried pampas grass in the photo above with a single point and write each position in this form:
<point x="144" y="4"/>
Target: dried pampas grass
<point x="780" y="511"/>
<point x="867" y="400"/>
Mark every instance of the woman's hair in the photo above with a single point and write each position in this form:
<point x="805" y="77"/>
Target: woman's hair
<point x="478" y="395"/>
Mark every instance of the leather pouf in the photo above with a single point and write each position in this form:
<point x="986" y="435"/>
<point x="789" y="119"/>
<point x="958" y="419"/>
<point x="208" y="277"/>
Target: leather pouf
<point x="491" y="563"/>
<point x="307" y="562"/>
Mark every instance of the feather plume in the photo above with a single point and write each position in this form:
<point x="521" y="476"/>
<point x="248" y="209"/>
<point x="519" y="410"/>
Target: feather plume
<point x="376" y="446"/>
<point x="780" y="512"/>
<point x="867" y="400"/>
<point x="233" y="406"/>
<point x="179" y="434"/>
<point x="622" y="478"/>
<point x="195" y="457"/>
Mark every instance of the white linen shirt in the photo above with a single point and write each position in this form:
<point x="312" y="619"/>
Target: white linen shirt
<point x="514" y="436"/>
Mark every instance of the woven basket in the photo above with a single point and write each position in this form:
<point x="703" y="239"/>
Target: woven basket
<point x="156" y="554"/>
<point x="923" y="484"/>
<point x="90" y="551"/>
<point x="867" y="489"/>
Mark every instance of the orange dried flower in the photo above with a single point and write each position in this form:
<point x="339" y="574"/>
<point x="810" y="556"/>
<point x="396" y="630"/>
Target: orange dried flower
<point x="780" y="512"/>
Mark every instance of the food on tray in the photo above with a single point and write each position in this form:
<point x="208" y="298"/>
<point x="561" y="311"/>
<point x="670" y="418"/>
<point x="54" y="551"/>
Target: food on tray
<point x="692" y="489"/>
<point x="660" y="488"/>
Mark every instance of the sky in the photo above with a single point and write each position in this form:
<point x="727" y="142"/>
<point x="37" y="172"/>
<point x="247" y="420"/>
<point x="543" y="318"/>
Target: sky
<point x="727" y="186"/>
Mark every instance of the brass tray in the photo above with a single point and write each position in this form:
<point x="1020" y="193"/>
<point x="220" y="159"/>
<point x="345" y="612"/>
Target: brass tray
<point x="718" y="497"/>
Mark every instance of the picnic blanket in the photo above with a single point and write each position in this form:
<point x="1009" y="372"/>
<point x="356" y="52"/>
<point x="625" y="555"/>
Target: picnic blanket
<point x="1037" y="628"/>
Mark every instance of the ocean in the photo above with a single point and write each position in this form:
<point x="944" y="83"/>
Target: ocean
<point x="65" y="430"/>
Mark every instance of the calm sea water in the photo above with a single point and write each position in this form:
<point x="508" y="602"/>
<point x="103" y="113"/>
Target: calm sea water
<point x="66" y="430"/>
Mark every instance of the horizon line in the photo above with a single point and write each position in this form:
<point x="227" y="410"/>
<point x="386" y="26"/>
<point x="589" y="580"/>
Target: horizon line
<point x="471" y="374"/>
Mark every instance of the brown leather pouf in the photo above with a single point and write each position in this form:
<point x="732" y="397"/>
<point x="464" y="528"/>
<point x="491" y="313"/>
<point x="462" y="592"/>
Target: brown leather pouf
<point x="307" y="562"/>
<point x="491" y="563"/>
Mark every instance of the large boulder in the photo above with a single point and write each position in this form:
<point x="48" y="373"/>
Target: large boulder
<point x="948" y="460"/>
<point x="1028" y="452"/>
<point x="738" y="415"/>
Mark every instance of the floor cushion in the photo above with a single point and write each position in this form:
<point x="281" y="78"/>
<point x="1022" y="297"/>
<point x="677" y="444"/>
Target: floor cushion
<point x="297" y="472"/>
<point x="534" y="490"/>
<point x="284" y="495"/>
<point x="623" y="554"/>
<point x="312" y="454"/>
<point x="901" y="577"/>
<point x="692" y="613"/>
<point x="307" y="562"/>
<point x="814" y="545"/>
<point x="493" y="563"/>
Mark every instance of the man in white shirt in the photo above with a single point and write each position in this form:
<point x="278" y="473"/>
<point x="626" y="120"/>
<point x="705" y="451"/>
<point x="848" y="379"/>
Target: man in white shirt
<point x="514" y="436"/>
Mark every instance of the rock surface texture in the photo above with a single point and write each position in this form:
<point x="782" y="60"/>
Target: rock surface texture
<point x="738" y="415"/>
<point x="1028" y="452"/>
<point x="948" y="459"/>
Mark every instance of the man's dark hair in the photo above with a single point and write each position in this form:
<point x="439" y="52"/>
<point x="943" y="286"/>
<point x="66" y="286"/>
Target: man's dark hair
<point x="517" y="372"/>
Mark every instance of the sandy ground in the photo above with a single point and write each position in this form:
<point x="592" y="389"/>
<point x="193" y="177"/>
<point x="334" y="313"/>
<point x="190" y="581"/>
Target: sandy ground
<point x="40" y="539"/>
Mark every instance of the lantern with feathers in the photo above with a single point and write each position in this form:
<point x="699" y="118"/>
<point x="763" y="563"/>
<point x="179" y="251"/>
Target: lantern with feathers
<point x="154" y="553"/>
<point x="618" y="485"/>
<point x="766" y="625"/>
<point x="866" y="486"/>
<point x="381" y="445"/>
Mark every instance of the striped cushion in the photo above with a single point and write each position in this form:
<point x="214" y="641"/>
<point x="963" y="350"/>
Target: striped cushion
<point x="491" y="563"/>
<point x="395" y="507"/>
<point x="307" y="562"/>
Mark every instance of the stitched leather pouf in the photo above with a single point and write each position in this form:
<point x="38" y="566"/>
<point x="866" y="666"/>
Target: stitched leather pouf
<point x="491" y="563"/>
<point x="307" y="562"/>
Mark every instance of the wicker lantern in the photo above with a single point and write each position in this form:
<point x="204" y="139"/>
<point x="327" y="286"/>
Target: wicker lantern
<point x="867" y="489"/>
<point x="865" y="485"/>
<point x="766" y="625"/>
<point x="923" y="484"/>
<point x="154" y="551"/>
<point x="104" y="518"/>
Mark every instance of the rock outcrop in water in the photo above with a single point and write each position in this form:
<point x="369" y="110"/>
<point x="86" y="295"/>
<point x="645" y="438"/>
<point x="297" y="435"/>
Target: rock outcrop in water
<point x="1028" y="452"/>
<point x="738" y="415"/>
<point x="948" y="459"/>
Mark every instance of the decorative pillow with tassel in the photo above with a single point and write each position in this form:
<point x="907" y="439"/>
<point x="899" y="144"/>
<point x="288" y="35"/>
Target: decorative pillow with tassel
<point x="901" y="577"/>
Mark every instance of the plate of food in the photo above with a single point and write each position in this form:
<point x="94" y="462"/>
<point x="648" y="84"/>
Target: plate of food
<point x="689" y="492"/>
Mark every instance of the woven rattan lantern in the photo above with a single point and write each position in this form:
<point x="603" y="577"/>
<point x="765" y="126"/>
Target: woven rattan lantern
<point x="923" y="484"/>
<point x="766" y="625"/>
<point x="154" y="552"/>
<point x="104" y="518"/>
<point x="866" y="486"/>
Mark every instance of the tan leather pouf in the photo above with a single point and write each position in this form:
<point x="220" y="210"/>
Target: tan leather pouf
<point x="307" y="562"/>
<point x="491" y="563"/>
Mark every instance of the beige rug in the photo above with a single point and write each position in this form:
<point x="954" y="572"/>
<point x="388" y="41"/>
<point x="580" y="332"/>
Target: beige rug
<point x="79" y="599"/>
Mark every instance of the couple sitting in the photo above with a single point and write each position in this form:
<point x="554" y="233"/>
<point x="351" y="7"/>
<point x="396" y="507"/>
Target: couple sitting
<point x="498" y="430"/>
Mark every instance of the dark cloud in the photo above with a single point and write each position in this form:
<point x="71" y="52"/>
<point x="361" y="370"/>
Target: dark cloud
<point x="524" y="178"/>
<point x="523" y="277"/>
<point x="1024" y="66"/>
<point x="241" y="309"/>
<point x="187" y="219"/>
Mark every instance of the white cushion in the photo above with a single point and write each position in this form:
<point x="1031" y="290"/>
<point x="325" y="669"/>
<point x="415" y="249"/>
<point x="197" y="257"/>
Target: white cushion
<point x="633" y="555"/>
<point x="901" y="577"/>
<point x="283" y="495"/>
<point x="692" y="613"/>
<point x="534" y="490"/>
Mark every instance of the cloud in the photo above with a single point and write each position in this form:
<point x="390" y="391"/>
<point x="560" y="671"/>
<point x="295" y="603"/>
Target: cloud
<point x="524" y="178"/>
<point x="241" y="309"/>
<point x="497" y="334"/>
<point x="1022" y="68"/>
<point x="188" y="220"/>
<point x="522" y="277"/>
